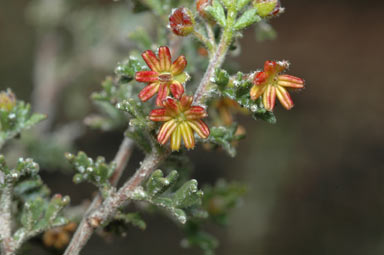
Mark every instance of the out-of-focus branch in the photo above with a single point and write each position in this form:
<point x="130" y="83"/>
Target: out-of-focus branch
<point x="46" y="84"/>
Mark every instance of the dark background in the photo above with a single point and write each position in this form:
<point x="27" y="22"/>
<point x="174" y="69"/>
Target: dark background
<point x="315" y="179"/>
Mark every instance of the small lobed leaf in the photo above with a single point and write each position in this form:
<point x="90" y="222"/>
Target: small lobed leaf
<point x="96" y="171"/>
<point x="157" y="191"/>
<point x="225" y="137"/>
<point x="15" y="119"/>
<point x="127" y="69"/>
<point x="216" y="10"/>
<point x="248" y="18"/>
<point x="241" y="4"/>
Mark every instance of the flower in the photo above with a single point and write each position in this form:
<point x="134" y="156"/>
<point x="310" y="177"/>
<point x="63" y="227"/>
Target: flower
<point x="180" y="120"/>
<point x="7" y="100"/>
<point x="269" y="84"/>
<point x="164" y="76"/>
<point x="181" y="21"/>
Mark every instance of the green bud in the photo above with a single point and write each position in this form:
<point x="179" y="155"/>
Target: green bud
<point x="265" y="7"/>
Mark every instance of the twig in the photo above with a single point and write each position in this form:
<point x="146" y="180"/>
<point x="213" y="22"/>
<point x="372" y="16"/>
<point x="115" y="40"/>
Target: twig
<point x="107" y="210"/>
<point x="217" y="59"/>
<point x="7" y="243"/>
<point x="85" y="230"/>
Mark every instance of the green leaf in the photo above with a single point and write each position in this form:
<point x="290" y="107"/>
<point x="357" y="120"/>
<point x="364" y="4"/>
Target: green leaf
<point x="216" y="10"/>
<point x="248" y="18"/>
<point x="221" y="198"/>
<point x="157" y="191"/>
<point x="96" y="171"/>
<point x="16" y="119"/>
<point x="264" y="32"/>
<point x="127" y="69"/>
<point x="221" y="78"/>
<point x="195" y="237"/>
<point x="224" y="137"/>
<point x="228" y="3"/>
<point x="40" y="214"/>
<point x="132" y="218"/>
<point x="241" y="4"/>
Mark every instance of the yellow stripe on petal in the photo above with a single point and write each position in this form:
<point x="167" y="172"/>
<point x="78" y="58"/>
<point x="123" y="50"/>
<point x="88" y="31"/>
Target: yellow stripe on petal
<point x="159" y="115"/>
<point x="149" y="91"/>
<point x="284" y="97"/>
<point x="179" y="65"/>
<point x="176" y="139"/>
<point x="186" y="132"/>
<point x="257" y="91"/>
<point x="165" y="59"/>
<point x="151" y="60"/>
<point x="200" y="128"/>
<point x="162" y="94"/>
<point x="166" y="130"/>
<point x="269" y="98"/>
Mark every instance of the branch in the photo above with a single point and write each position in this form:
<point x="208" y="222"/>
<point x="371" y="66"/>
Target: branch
<point x="7" y="243"/>
<point x="84" y="230"/>
<point x="217" y="59"/>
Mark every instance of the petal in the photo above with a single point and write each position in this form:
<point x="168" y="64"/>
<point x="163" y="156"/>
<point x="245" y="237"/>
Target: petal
<point x="159" y="115"/>
<point x="179" y="65"/>
<point x="165" y="59"/>
<point x="257" y="91"/>
<point x="149" y="91"/>
<point x="290" y="81"/>
<point x="195" y="113"/>
<point x="147" y="76"/>
<point x="270" y="66"/>
<point x="269" y="98"/>
<point x="176" y="139"/>
<point x="166" y="130"/>
<point x="177" y="89"/>
<point x="260" y="77"/>
<point x="163" y="93"/>
<point x="186" y="132"/>
<point x="186" y="102"/>
<point x="170" y="105"/>
<point x="151" y="60"/>
<point x="284" y="97"/>
<point x="200" y="128"/>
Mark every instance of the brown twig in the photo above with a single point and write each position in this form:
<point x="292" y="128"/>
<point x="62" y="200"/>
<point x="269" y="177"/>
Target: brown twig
<point x="100" y="213"/>
<point x="85" y="230"/>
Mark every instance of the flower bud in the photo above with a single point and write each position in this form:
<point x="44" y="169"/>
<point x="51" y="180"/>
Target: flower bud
<point x="7" y="100"/>
<point x="200" y="7"/>
<point x="181" y="21"/>
<point x="267" y="7"/>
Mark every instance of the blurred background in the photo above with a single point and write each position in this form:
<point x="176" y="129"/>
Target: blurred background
<point x="315" y="179"/>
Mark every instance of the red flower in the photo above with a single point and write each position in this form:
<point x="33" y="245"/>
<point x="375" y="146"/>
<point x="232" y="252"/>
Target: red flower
<point x="269" y="84"/>
<point x="180" y="120"/>
<point x="181" y="21"/>
<point x="164" y="76"/>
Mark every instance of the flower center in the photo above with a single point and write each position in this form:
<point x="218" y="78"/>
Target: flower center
<point x="165" y="77"/>
<point x="181" y="117"/>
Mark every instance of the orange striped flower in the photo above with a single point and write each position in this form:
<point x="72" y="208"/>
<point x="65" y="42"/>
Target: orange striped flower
<point x="164" y="77"/>
<point x="181" y="120"/>
<point x="269" y="84"/>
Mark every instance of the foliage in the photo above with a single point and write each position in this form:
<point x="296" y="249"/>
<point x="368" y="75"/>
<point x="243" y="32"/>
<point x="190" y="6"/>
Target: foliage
<point x="125" y="103"/>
